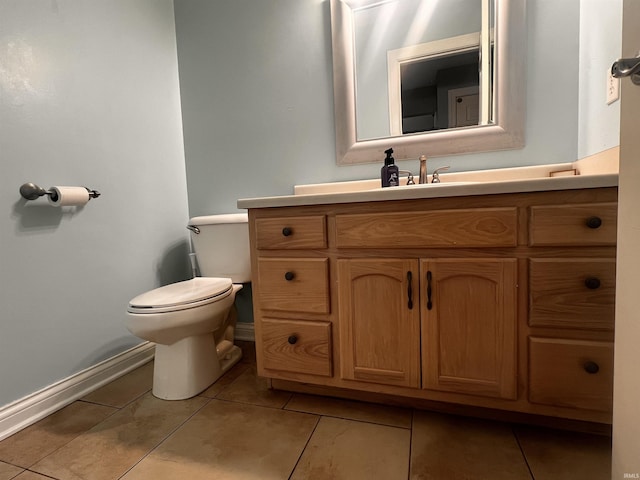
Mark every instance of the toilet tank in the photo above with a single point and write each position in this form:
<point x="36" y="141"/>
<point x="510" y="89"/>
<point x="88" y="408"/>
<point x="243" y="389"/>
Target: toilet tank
<point x="222" y="246"/>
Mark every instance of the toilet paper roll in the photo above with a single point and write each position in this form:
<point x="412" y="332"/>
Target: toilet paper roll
<point x="68" y="196"/>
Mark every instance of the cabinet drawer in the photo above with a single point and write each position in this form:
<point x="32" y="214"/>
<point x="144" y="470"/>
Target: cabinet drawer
<point x="473" y="227"/>
<point x="572" y="293"/>
<point x="559" y="373"/>
<point x="291" y="232"/>
<point x="297" y="346"/>
<point x="294" y="284"/>
<point x="587" y="224"/>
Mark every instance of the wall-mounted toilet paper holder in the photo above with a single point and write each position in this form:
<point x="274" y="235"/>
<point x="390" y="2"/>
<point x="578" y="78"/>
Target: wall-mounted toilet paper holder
<point x="31" y="191"/>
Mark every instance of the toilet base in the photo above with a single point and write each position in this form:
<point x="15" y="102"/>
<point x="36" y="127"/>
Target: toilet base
<point x="189" y="366"/>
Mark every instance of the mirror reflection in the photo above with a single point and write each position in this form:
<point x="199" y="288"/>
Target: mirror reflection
<point x="419" y="65"/>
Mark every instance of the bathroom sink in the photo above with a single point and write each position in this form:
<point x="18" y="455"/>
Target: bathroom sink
<point x="424" y="185"/>
<point x="363" y="186"/>
<point x="441" y="184"/>
<point x="588" y="166"/>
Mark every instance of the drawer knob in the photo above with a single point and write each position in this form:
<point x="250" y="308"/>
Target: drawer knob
<point x="288" y="276"/>
<point x="292" y="339"/>
<point x="591" y="367"/>
<point x="592" y="283"/>
<point x="594" y="222"/>
<point x="287" y="231"/>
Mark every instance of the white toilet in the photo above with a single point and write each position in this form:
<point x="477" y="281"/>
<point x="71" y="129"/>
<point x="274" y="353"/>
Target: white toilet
<point x="193" y="322"/>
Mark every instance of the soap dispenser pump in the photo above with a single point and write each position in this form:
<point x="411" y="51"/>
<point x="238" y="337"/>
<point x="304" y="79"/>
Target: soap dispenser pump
<point x="389" y="173"/>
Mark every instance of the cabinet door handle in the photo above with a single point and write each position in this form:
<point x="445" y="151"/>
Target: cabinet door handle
<point x="429" y="304"/>
<point x="594" y="222"/>
<point x="292" y="339"/>
<point x="410" y="289"/>
<point x="287" y="231"/>
<point x="591" y="367"/>
<point x="288" y="276"/>
<point x="592" y="283"/>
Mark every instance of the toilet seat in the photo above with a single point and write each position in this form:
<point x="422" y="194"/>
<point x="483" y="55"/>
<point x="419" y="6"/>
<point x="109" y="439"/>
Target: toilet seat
<point x="182" y="295"/>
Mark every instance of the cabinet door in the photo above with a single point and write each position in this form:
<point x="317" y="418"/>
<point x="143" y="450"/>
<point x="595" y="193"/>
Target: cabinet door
<point x="469" y="326"/>
<point x="379" y="321"/>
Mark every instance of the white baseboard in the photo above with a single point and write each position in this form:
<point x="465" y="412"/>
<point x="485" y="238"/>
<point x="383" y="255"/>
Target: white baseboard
<point x="244" y="331"/>
<point x="28" y="410"/>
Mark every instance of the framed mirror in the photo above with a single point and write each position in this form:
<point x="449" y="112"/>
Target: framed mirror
<point x="432" y="77"/>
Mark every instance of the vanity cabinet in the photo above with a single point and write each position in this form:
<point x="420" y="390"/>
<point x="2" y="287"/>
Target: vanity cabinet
<point x="379" y="321"/>
<point x="572" y="307"/>
<point x="465" y="309"/>
<point x="292" y="296"/>
<point x="502" y="301"/>
<point x="469" y="326"/>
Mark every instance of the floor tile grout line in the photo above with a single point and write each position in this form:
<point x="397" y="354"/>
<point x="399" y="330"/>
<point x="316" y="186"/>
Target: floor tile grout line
<point x="30" y="467"/>
<point x="98" y="404"/>
<point x="305" y="447"/>
<point x="524" y="455"/>
<point x="413" y="412"/>
<point x="371" y="422"/>
<point x="38" y="473"/>
<point x="14" y="465"/>
<point x="114" y="406"/>
<point x="209" y="400"/>
<point x="342" y="418"/>
<point x="225" y="387"/>
<point x="253" y="404"/>
<point x="284" y="407"/>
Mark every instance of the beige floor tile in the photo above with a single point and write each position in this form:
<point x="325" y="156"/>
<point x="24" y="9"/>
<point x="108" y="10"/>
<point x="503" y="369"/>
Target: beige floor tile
<point x="226" y="380"/>
<point x="349" y="450"/>
<point x="559" y="455"/>
<point x="124" y="389"/>
<point x="249" y="388"/>
<point x="362" y="411"/>
<point x="44" y="437"/>
<point x="230" y="441"/>
<point x="112" y="447"/>
<point x="8" y="472"/>
<point x="450" y="447"/>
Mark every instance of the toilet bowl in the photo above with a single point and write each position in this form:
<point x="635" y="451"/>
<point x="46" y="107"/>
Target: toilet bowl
<point x="192" y="322"/>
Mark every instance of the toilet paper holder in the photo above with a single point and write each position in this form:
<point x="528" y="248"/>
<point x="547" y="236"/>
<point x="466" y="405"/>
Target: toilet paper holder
<point x="31" y="191"/>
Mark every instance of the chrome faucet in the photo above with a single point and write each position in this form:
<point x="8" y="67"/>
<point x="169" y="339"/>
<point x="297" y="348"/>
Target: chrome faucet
<point x="409" y="176"/>
<point x="435" y="177"/>
<point x="422" y="178"/>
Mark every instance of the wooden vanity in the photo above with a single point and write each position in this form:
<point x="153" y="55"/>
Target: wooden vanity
<point x="497" y="300"/>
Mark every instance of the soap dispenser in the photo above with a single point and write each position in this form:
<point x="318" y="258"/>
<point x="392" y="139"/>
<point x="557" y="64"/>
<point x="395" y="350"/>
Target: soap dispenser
<point x="389" y="173"/>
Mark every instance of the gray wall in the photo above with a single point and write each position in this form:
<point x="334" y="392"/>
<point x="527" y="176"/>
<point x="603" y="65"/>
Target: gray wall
<point x="255" y="83"/>
<point x="88" y="96"/>
<point x="600" y="45"/>
<point x="257" y="98"/>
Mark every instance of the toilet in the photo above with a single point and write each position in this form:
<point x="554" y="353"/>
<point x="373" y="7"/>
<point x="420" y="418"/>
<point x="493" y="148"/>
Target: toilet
<point x="192" y="322"/>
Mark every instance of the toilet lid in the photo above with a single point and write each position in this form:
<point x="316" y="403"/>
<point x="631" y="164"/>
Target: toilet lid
<point x="183" y="293"/>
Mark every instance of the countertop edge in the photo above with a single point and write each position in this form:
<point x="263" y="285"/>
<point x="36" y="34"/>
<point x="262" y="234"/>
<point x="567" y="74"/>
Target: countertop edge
<point x="435" y="191"/>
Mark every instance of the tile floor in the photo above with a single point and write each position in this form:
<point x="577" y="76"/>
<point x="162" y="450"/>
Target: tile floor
<point x="238" y="429"/>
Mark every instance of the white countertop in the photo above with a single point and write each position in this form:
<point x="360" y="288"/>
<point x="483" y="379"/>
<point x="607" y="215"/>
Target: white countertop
<point x="445" y="189"/>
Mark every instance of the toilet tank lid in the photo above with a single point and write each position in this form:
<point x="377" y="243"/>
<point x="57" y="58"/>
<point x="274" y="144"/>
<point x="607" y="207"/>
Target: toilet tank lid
<point x="218" y="219"/>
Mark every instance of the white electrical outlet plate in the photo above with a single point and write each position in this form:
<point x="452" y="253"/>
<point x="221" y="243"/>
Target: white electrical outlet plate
<point x="613" y="88"/>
